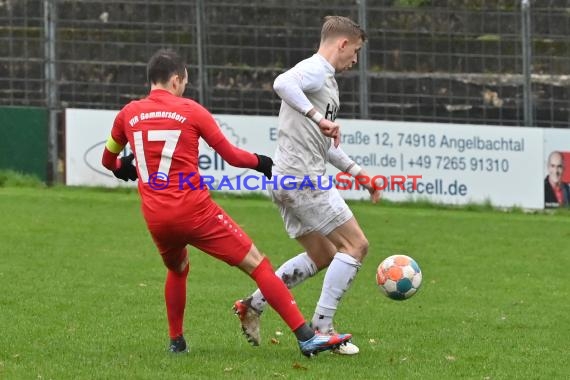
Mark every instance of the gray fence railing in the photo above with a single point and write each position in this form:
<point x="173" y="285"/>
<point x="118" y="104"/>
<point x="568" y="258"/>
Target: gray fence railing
<point x="494" y="62"/>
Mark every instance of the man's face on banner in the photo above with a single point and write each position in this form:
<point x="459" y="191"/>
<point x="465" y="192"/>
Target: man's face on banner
<point x="555" y="167"/>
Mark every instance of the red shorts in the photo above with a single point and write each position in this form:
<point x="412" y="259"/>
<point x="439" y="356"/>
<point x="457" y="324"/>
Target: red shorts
<point x="214" y="232"/>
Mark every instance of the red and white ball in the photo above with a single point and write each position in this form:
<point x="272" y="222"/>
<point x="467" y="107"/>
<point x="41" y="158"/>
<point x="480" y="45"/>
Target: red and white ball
<point x="399" y="277"/>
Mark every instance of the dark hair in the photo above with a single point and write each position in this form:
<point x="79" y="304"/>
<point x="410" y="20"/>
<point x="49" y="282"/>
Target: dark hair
<point x="164" y="64"/>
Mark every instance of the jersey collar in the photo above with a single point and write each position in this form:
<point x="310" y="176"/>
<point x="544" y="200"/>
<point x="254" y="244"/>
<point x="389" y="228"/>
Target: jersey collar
<point x="159" y="92"/>
<point x="326" y="63"/>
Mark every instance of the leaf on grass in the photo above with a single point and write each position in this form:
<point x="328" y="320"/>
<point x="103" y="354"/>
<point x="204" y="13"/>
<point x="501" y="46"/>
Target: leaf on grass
<point x="228" y="369"/>
<point x="299" y="366"/>
<point x="450" y="358"/>
<point x="372" y="341"/>
<point x="274" y="341"/>
<point x="277" y="374"/>
<point x="278" y="333"/>
<point x="142" y="285"/>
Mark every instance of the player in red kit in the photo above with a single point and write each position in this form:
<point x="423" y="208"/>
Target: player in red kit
<point x="163" y="130"/>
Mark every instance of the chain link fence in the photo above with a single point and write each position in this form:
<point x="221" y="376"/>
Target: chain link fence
<point x="452" y="61"/>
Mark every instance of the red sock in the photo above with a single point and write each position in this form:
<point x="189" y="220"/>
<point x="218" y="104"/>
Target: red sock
<point x="175" y="296"/>
<point x="277" y="294"/>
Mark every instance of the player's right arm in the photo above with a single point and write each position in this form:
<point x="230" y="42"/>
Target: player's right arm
<point x="211" y="133"/>
<point x="122" y="168"/>
<point x="291" y="87"/>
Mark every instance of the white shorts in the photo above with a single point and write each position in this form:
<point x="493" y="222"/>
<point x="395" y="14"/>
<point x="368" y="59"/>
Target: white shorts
<point x="307" y="210"/>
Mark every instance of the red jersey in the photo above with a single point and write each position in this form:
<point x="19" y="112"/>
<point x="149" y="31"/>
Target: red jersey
<point x="163" y="130"/>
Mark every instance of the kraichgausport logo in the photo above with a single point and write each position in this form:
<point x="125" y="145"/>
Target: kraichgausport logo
<point x="342" y="181"/>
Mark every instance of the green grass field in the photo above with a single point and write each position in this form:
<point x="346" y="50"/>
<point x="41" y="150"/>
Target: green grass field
<point x="81" y="295"/>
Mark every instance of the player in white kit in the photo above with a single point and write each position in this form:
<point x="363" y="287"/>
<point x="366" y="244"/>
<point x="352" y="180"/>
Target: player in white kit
<point x="318" y="219"/>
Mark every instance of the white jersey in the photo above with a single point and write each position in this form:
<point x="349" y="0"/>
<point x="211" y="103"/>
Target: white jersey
<point x="301" y="146"/>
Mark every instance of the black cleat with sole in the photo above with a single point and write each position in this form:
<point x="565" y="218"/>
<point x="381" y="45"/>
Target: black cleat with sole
<point x="178" y="345"/>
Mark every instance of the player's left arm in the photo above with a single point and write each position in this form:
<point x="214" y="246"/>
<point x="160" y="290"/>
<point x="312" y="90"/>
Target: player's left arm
<point x="340" y="160"/>
<point x="373" y="189"/>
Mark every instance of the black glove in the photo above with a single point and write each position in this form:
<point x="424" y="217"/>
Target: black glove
<point x="264" y="165"/>
<point x="127" y="170"/>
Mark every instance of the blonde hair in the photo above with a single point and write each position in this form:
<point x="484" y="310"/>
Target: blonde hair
<point x="334" y="26"/>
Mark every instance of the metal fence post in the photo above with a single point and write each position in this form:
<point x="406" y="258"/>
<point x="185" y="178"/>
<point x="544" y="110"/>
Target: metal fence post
<point x="51" y="86"/>
<point x="200" y="46"/>
<point x="527" y="63"/>
<point x="363" y="66"/>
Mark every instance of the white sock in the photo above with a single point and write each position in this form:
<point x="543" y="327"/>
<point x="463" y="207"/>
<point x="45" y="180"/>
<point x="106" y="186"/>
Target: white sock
<point x="338" y="279"/>
<point x="292" y="272"/>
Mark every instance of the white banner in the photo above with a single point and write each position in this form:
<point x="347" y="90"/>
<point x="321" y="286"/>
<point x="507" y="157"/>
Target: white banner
<point x="458" y="164"/>
<point x="86" y="132"/>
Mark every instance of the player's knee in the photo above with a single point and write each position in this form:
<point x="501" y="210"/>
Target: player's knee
<point x="363" y="247"/>
<point x="358" y="248"/>
<point x="176" y="262"/>
<point x="251" y="260"/>
<point x="182" y="266"/>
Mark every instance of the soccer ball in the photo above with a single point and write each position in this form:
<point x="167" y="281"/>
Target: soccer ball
<point x="399" y="277"/>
